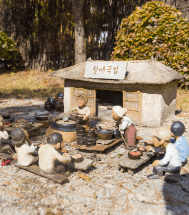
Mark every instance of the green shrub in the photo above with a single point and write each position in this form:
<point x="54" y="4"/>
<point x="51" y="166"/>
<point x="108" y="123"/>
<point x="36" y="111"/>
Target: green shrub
<point x="7" y="47"/>
<point x="157" y="30"/>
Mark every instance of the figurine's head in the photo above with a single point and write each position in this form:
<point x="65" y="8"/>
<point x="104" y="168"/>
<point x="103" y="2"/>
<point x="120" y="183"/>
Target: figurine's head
<point x="55" y="139"/>
<point x="118" y="112"/>
<point x="177" y="128"/>
<point x="162" y="137"/>
<point x="1" y="122"/>
<point x="19" y="136"/>
<point x="81" y="100"/>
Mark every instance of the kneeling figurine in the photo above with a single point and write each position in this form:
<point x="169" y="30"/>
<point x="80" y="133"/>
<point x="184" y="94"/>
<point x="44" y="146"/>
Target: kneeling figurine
<point x="48" y="155"/>
<point x="25" y="152"/>
<point x="82" y="109"/>
<point x="3" y="134"/>
<point x="171" y="162"/>
<point x="177" y="129"/>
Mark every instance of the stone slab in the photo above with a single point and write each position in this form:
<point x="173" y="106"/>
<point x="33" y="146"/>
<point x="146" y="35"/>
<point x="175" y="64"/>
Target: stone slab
<point x="59" y="178"/>
<point x="126" y="162"/>
<point x="106" y="70"/>
<point x="84" y="165"/>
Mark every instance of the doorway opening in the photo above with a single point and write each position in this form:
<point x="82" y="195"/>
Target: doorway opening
<point x="105" y="100"/>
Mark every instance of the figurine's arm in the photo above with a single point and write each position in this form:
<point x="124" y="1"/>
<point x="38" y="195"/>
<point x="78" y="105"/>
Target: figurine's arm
<point x="166" y="158"/>
<point x="4" y="135"/>
<point x="126" y="122"/>
<point x="87" y="113"/>
<point x="158" y="150"/>
<point x="73" y="109"/>
<point x="64" y="159"/>
<point x="124" y="125"/>
<point x="32" y="149"/>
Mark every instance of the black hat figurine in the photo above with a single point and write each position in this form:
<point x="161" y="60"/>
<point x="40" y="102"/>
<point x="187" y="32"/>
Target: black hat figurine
<point x="177" y="128"/>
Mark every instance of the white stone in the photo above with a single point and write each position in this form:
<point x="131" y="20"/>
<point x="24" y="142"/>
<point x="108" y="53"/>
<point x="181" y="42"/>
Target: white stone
<point x="140" y="197"/>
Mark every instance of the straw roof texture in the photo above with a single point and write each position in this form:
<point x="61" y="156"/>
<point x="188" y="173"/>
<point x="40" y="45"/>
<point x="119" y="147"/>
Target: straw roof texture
<point x="138" y="72"/>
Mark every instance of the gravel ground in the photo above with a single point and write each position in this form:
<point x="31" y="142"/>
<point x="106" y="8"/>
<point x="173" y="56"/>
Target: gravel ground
<point x="106" y="189"/>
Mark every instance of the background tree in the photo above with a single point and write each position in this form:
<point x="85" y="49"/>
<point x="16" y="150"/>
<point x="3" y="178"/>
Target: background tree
<point x="79" y="31"/>
<point x="157" y="30"/>
<point x="45" y="29"/>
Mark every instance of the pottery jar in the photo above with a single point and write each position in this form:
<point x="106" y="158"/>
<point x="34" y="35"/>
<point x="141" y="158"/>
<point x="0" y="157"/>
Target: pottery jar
<point x="90" y="133"/>
<point x="117" y="134"/>
<point x="58" y="106"/>
<point x="48" y="106"/>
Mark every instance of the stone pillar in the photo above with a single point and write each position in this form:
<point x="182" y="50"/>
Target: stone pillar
<point x="151" y="109"/>
<point x="67" y="99"/>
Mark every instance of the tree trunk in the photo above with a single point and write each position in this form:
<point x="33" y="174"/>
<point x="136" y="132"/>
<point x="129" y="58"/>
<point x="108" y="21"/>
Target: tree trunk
<point x="80" y="49"/>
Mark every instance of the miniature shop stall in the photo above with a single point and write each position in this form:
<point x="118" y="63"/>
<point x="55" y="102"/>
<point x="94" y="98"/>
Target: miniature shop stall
<point x="148" y="89"/>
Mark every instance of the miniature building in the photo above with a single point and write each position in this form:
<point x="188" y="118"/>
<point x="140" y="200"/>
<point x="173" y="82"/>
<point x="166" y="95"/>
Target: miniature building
<point x="148" y="91"/>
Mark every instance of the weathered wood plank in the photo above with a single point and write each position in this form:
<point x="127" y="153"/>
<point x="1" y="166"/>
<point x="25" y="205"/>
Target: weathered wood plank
<point x="98" y="147"/>
<point x="5" y="156"/>
<point x="125" y="161"/>
<point x="36" y="170"/>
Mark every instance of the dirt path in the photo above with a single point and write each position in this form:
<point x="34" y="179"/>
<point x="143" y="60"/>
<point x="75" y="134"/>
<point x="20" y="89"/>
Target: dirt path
<point x="104" y="190"/>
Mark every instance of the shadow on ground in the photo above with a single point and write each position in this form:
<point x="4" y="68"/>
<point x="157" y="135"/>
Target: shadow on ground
<point x="176" y="196"/>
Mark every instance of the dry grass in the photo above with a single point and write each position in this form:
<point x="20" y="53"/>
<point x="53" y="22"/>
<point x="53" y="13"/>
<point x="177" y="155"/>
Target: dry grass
<point x="183" y="100"/>
<point x="41" y="85"/>
<point x="30" y="84"/>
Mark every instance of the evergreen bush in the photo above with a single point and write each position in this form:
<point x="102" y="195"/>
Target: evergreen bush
<point x="157" y="30"/>
<point x="7" y="47"/>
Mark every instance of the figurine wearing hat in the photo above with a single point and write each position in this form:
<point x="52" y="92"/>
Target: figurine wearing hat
<point x="177" y="129"/>
<point x="82" y="109"/>
<point x="125" y="125"/>
<point x="3" y="133"/>
<point x="25" y="152"/>
<point x="171" y="162"/>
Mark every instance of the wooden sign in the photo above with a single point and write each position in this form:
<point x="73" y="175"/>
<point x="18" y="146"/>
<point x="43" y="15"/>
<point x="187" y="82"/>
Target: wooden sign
<point x="106" y="69"/>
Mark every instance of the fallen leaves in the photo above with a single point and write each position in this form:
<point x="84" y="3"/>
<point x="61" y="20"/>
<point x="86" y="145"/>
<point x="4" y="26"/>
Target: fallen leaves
<point x="84" y="177"/>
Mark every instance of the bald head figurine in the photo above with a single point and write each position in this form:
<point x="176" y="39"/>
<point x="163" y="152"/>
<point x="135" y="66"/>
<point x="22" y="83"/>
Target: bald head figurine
<point x="162" y="137"/>
<point x="171" y="162"/>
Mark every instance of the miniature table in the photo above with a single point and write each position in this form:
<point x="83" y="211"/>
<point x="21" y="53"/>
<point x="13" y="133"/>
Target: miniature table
<point x="130" y="164"/>
<point x="84" y="165"/>
<point x="59" y="178"/>
<point x="101" y="145"/>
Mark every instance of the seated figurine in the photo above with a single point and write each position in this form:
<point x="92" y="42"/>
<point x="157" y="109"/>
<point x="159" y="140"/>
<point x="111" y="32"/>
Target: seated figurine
<point x="177" y="129"/>
<point x="25" y="152"/>
<point x="48" y="155"/>
<point x="171" y="162"/>
<point x="3" y="133"/>
<point x="82" y="109"/>
<point x="125" y="125"/>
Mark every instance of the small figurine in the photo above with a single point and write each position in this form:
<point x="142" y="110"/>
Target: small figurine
<point x="125" y="124"/>
<point x="25" y="152"/>
<point x="171" y="162"/>
<point x="177" y="129"/>
<point x="82" y="109"/>
<point x="48" y="155"/>
<point x="3" y="133"/>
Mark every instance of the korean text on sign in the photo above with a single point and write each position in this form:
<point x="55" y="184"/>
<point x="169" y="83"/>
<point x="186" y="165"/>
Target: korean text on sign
<point x="108" y="69"/>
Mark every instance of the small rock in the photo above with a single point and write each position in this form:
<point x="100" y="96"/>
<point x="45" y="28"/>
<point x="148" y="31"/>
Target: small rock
<point x="43" y="180"/>
<point x="140" y="197"/>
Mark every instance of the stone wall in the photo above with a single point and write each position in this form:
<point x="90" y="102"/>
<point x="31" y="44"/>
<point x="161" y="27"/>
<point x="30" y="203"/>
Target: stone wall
<point x="158" y="101"/>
